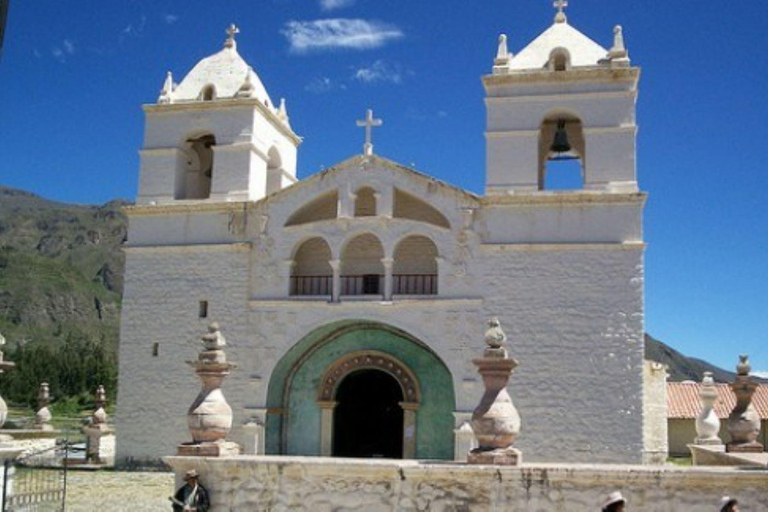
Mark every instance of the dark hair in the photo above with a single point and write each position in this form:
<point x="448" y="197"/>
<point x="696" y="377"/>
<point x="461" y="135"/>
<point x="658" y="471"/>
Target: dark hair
<point x="729" y="506"/>
<point x="614" y="506"/>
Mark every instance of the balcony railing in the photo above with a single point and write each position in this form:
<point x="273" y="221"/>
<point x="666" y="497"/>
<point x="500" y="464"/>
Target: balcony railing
<point x="414" y="284"/>
<point x="368" y="284"/>
<point x="311" y="285"/>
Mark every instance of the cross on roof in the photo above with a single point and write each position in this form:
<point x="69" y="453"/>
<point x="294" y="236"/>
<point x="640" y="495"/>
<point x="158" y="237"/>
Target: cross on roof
<point x="232" y="30"/>
<point x="560" y="5"/>
<point x="369" y="122"/>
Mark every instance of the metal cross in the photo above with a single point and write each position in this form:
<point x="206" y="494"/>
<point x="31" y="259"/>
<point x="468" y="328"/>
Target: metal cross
<point x="232" y="30"/>
<point x="560" y="5"/>
<point x="369" y="122"/>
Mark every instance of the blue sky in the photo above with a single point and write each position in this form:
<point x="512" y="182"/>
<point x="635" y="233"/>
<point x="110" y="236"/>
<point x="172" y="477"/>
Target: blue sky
<point x="74" y="74"/>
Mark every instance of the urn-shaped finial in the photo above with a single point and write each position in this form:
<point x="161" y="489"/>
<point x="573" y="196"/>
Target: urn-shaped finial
<point x="43" y="414"/>
<point x="744" y="422"/>
<point x="744" y="367"/>
<point x="707" y="422"/>
<point x="100" y="414"/>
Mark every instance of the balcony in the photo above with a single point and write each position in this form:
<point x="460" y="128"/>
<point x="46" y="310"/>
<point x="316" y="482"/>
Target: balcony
<point x="366" y="284"/>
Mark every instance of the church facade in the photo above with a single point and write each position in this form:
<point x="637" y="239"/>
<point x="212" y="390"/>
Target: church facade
<point x="353" y="301"/>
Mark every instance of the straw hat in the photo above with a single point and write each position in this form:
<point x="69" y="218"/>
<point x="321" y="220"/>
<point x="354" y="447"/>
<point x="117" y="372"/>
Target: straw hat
<point x="727" y="500"/>
<point x="190" y="474"/>
<point x="614" y="497"/>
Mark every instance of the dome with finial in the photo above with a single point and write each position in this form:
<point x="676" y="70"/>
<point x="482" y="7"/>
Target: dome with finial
<point x="221" y="76"/>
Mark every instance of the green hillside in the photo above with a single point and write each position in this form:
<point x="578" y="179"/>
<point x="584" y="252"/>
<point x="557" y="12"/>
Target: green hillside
<point x="61" y="271"/>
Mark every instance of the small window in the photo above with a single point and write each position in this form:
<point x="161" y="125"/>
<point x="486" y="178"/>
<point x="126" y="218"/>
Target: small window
<point x="560" y="62"/>
<point x="203" y="309"/>
<point x="208" y="93"/>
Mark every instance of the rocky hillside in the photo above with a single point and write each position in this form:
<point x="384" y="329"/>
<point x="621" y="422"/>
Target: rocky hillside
<point x="61" y="270"/>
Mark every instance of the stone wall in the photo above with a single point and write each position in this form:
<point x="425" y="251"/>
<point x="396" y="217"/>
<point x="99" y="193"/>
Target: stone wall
<point x="682" y="432"/>
<point x="296" y="483"/>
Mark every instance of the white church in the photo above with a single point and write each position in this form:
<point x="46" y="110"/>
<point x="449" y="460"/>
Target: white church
<point x="353" y="301"/>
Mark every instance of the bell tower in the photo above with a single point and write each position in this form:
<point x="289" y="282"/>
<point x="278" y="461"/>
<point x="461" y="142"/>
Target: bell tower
<point x="217" y="136"/>
<point x="563" y="97"/>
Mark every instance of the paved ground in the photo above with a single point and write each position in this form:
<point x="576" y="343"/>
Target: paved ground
<point x="116" y="491"/>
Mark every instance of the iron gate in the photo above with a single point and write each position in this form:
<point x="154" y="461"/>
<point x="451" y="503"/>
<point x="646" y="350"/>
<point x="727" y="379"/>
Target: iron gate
<point x="37" y="481"/>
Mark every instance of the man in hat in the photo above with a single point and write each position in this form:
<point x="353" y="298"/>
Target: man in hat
<point x="728" y="504"/>
<point x="191" y="497"/>
<point x="615" y="502"/>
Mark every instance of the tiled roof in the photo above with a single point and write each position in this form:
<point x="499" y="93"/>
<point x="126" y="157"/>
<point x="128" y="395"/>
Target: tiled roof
<point x="683" y="400"/>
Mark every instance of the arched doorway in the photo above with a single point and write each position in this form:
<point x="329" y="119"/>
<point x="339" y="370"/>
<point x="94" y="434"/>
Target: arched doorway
<point x="368" y="417"/>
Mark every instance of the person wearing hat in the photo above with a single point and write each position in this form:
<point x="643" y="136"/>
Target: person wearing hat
<point x="191" y="497"/>
<point x="728" y="504"/>
<point x="615" y="502"/>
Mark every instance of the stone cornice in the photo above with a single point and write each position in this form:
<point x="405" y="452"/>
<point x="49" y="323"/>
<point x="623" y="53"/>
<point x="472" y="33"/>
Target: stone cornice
<point x="431" y="303"/>
<point x="182" y="208"/>
<point x="200" y="106"/>
<point x="527" y="98"/>
<point x="597" y="74"/>
<point x="578" y="198"/>
<point x="565" y="246"/>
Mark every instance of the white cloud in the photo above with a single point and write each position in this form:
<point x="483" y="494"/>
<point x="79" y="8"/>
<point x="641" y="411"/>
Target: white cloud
<point x="58" y="54"/>
<point x="331" y="34"/>
<point x="330" y="5"/>
<point x="69" y="47"/>
<point x="170" y="19"/>
<point x="379" y="71"/>
<point x="762" y="375"/>
<point x="322" y="85"/>
<point x="442" y="113"/>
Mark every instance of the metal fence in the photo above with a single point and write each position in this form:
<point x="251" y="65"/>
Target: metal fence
<point x="36" y="481"/>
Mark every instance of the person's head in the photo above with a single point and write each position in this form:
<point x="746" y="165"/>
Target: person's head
<point x="728" y="504"/>
<point x="615" y="502"/>
<point x="191" y="477"/>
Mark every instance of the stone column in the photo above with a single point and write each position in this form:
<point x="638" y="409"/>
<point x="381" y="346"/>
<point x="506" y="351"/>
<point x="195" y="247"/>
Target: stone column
<point x="744" y="422"/>
<point x="210" y="416"/>
<point x="463" y="441"/>
<point x="326" y="427"/>
<point x="336" y="285"/>
<point x="388" y="285"/>
<point x="409" y="429"/>
<point x="495" y="421"/>
<point x="43" y="415"/>
<point x="707" y="423"/>
<point x="253" y="438"/>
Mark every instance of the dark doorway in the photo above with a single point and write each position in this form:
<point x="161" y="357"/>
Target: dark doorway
<point x="368" y="420"/>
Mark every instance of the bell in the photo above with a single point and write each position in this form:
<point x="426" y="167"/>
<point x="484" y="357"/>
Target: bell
<point x="560" y="144"/>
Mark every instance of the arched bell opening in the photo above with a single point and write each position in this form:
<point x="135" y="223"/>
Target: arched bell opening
<point x="274" y="171"/>
<point x="195" y="175"/>
<point x="562" y="152"/>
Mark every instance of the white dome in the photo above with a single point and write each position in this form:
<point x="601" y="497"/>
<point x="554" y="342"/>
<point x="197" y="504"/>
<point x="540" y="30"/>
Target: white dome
<point x="226" y="71"/>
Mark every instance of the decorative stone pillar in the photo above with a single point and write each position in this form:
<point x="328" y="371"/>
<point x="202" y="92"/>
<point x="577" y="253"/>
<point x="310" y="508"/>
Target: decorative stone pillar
<point x="707" y="423"/>
<point x="253" y="438"/>
<point x="495" y="421"/>
<point x="210" y="416"/>
<point x="744" y="422"/>
<point x="97" y="429"/>
<point x="409" y="429"/>
<point x="463" y="441"/>
<point x="4" y="367"/>
<point x="336" y="284"/>
<point x="43" y="415"/>
<point x="326" y="427"/>
<point x="388" y="263"/>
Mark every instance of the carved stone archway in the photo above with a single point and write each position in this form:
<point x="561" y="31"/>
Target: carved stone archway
<point x="369" y="360"/>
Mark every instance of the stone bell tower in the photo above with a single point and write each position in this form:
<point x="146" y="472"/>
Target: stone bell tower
<point x="216" y="136"/>
<point x="562" y="97"/>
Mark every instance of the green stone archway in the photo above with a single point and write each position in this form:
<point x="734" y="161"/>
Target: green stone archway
<point x="294" y="420"/>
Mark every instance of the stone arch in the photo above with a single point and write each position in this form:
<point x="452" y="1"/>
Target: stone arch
<point x="569" y="122"/>
<point x="408" y="206"/>
<point x="559" y="59"/>
<point x="295" y="416"/>
<point x="415" y="269"/>
<point x="194" y="176"/>
<point x="362" y="268"/>
<point x="324" y="207"/>
<point x="311" y="272"/>
<point x="365" y="202"/>
<point x="207" y="93"/>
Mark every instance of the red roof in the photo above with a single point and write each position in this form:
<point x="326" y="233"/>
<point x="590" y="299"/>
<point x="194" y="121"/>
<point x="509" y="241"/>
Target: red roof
<point x="683" y="400"/>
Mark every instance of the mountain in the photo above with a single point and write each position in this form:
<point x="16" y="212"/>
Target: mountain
<point x="61" y="274"/>
<point x="61" y="271"/>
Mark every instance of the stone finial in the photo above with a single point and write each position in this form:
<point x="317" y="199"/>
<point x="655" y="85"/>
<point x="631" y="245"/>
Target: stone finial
<point x="210" y="417"/>
<point x="43" y="414"/>
<point x="167" y="90"/>
<point x="246" y="90"/>
<point x="744" y="422"/>
<point x="99" y="416"/>
<point x="495" y="421"/>
<point x="232" y="31"/>
<point x="503" y="57"/>
<point x="707" y="422"/>
<point x="560" y="5"/>
<point x="618" y="54"/>
<point x="282" y="112"/>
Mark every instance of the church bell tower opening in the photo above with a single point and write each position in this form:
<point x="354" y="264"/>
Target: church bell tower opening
<point x="368" y="420"/>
